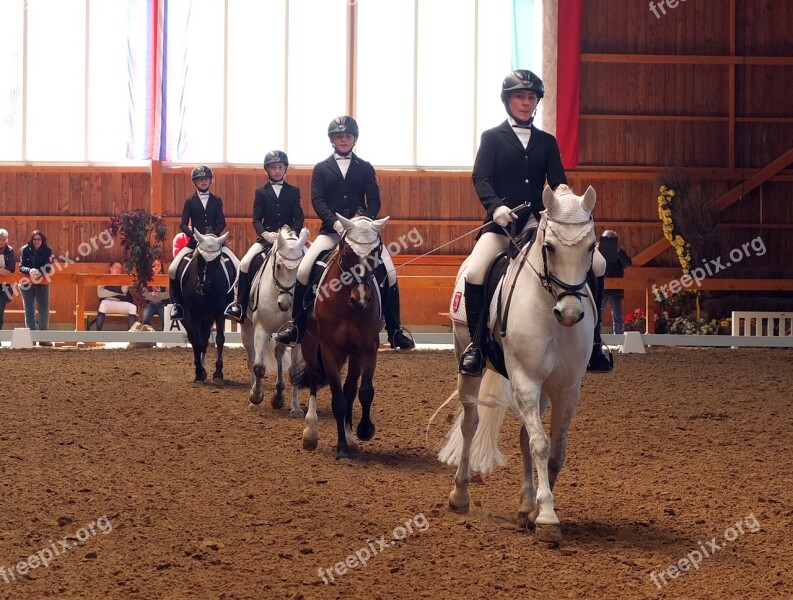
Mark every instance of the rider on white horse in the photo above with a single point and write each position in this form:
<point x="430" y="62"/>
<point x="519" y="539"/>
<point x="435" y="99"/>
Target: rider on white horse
<point x="202" y="212"/>
<point x="275" y="204"/>
<point x="512" y="165"/>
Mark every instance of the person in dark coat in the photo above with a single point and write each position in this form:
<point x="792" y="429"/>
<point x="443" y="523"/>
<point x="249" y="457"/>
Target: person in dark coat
<point x="616" y="261"/>
<point x="345" y="184"/>
<point x="202" y="212"/>
<point x="7" y="266"/>
<point x="511" y="168"/>
<point x="36" y="261"/>
<point x="275" y="205"/>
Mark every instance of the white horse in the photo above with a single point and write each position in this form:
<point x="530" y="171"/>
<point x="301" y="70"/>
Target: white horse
<point x="549" y="331"/>
<point x="269" y="308"/>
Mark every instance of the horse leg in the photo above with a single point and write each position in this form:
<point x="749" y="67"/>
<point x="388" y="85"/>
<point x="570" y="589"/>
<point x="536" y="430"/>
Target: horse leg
<point x="220" y="339"/>
<point x="249" y="341"/>
<point x="468" y="388"/>
<point x="350" y="390"/>
<point x="366" y="428"/>
<point x="562" y="413"/>
<point x="527" y="513"/>
<point x="338" y="403"/>
<point x="295" y="410"/>
<point x="527" y="398"/>
<point x="277" y="400"/>
<point x="199" y="354"/>
<point x="310" y="354"/>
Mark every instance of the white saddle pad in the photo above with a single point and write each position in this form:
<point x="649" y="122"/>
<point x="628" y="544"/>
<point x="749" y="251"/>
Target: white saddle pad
<point x="457" y="306"/>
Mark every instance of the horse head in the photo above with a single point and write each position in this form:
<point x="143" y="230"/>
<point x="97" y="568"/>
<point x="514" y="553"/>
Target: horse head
<point x="359" y="254"/>
<point x="288" y="252"/>
<point x="207" y="251"/>
<point x="566" y="242"/>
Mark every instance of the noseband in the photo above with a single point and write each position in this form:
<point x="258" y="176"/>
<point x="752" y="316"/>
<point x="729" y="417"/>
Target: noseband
<point x="284" y="289"/>
<point x="548" y="280"/>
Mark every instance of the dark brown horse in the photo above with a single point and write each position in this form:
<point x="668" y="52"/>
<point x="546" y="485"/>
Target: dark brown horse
<point x="345" y="328"/>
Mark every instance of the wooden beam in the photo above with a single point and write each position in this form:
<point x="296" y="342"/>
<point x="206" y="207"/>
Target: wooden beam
<point x="686" y="59"/>
<point x="756" y="180"/>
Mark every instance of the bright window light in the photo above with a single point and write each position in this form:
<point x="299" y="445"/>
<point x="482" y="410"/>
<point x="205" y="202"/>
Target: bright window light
<point x="11" y="98"/>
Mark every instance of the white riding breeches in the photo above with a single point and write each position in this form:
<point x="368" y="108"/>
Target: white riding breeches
<point x="117" y="307"/>
<point x="252" y="252"/>
<point x="325" y="241"/>
<point x="185" y="251"/>
<point x="598" y="264"/>
<point x="485" y="251"/>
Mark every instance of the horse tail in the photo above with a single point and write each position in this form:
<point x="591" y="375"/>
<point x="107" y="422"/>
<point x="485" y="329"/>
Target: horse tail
<point x="298" y="374"/>
<point x="495" y="397"/>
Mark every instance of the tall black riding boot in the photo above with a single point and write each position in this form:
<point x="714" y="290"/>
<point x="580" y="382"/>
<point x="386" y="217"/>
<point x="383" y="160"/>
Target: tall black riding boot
<point x="237" y="310"/>
<point x="131" y="320"/>
<point x="100" y="321"/>
<point x="598" y="361"/>
<point x="391" y="312"/>
<point x="472" y="360"/>
<point x="177" y="312"/>
<point x="300" y="309"/>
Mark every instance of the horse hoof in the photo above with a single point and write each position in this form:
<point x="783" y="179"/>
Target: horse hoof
<point x="549" y="534"/>
<point x="296" y="412"/>
<point x="365" y="433"/>
<point x="255" y="399"/>
<point x="343" y="459"/>
<point x="199" y="380"/>
<point x="218" y="381"/>
<point x="277" y="401"/>
<point x="309" y="442"/>
<point x="458" y="506"/>
<point x="525" y="520"/>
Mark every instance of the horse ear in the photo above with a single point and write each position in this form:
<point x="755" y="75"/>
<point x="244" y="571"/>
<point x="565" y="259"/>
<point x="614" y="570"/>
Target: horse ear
<point x="549" y="199"/>
<point x="345" y="222"/>
<point x="379" y="224"/>
<point x="280" y="240"/>
<point x="588" y="199"/>
<point x="222" y="238"/>
<point x="199" y="237"/>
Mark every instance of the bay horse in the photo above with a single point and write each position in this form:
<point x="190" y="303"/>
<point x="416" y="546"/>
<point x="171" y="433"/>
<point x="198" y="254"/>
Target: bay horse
<point x="546" y="342"/>
<point x="206" y="291"/>
<point x="269" y="308"/>
<point x="345" y="327"/>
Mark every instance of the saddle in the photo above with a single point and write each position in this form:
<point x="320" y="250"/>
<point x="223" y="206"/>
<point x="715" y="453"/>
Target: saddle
<point x="256" y="268"/>
<point x="228" y="270"/>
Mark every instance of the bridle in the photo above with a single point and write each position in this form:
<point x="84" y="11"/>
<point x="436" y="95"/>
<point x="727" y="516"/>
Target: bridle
<point x="547" y="279"/>
<point x="366" y="273"/>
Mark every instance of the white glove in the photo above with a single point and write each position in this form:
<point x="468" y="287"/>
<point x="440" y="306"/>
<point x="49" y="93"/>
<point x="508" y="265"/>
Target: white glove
<point x="503" y="216"/>
<point x="338" y="227"/>
<point x="270" y="237"/>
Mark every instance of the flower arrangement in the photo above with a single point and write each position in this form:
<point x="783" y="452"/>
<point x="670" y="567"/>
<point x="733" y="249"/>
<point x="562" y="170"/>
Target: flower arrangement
<point x="636" y="321"/>
<point x="687" y="326"/>
<point x="671" y="232"/>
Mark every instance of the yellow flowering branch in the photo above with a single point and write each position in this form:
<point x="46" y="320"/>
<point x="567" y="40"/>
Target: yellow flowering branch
<point x="682" y="248"/>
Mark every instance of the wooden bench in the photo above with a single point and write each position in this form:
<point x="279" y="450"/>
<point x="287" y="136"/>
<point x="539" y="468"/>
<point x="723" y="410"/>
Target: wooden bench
<point x="90" y="317"/>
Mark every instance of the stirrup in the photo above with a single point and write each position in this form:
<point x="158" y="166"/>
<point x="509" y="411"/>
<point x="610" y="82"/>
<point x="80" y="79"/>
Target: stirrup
<point x="177" y="312"/>
<point x="234" y="312"/>
<point x="290" y="336"/>
<point x="472" y="354"/>
<point x="598" y="361"/>
<point x="399" y="340"/>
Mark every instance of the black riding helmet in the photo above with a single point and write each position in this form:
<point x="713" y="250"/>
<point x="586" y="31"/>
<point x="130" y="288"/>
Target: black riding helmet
<point x="343" y="124"/>
<point x="202" y="171"/>
<point x="276" y="156"/>
<point x="521" y="80"/>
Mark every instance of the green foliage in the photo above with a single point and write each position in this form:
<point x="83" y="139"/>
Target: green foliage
<point x="142" y="234"/>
